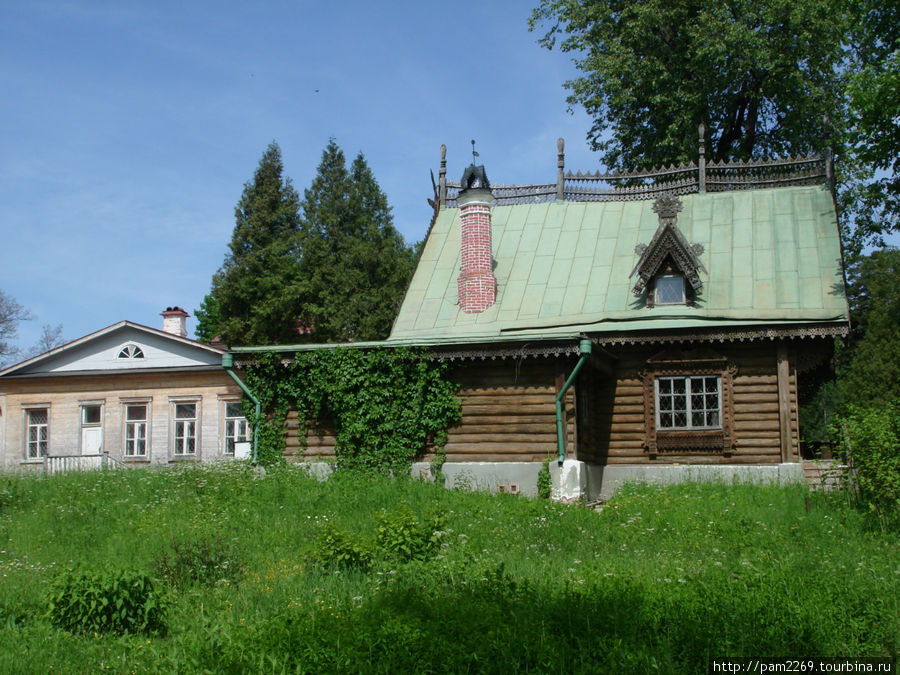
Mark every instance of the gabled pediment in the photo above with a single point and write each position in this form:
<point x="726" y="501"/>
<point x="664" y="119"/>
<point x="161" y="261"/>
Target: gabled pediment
<point x="120" y="347"/>
<point x="668" y="246"/>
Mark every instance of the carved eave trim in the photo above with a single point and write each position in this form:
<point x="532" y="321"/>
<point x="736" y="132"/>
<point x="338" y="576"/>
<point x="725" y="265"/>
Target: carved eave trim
<point x="484" y="353"/>
<point x="473" y="352"/>
<point x="724" y="335"/>
<point x="668" y="242"/>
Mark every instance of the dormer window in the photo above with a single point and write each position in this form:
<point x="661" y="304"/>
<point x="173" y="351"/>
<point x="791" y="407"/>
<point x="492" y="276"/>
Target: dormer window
<point x="668" y="268"/>
<point x="669" y="290"/>
<point x="131" y="351"/>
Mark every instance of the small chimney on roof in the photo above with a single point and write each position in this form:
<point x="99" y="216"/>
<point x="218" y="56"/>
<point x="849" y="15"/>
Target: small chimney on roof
<point x="174" y="321"/>
<point x="477" y="285"/>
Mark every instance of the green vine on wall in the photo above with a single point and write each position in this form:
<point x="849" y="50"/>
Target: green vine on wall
<point x="386" y="405"/>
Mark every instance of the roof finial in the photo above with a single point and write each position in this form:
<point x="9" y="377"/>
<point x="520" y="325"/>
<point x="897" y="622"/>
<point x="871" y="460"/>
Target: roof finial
<point x="474" y="154"/>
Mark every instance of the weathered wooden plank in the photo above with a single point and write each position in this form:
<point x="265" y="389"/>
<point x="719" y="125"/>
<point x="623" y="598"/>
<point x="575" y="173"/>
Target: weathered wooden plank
<point x="470" y="409"/>
<point x="507" y="426"/>
<point x="757" y="408"/>
<point x="743" y="398"/>
<point x="511" y="402"/>
<point x="741" y="381"/>
<point x="504" y="419"/>
<point x="497" y="448"/>
<point x="750" y="425"/>
<point x="772" y="442"/>
<point x="506" y="438"/>
<point x="511" y="390"/>
<point x="494" y="457"/>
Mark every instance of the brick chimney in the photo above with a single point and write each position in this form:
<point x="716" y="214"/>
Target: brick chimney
<point x="477" y="285"/>
<point x="174" y="321"/>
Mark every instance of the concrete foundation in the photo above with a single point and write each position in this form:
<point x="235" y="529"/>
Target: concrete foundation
<point x="515" y="477"/>
<point x="580" y="480"/>
<point x="601" y="482"/>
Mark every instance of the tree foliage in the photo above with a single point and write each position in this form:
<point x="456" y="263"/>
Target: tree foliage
<point x="11" y="313"/>
<point x="784" y="77"/>
<point x="385" y="405"/>
<point x="761" y="76"/>
<point x="354" y="261"/>
<point x="259" y="285"/>
<point x="868" y="365"/>
<point x="209" y="314"/>
<point x="330" y="270"/>
<point x="874" y="104"/>
<point x="871" y="376"/>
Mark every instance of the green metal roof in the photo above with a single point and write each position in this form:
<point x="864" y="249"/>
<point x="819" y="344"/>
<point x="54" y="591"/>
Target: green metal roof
<point x="771" y="257"/>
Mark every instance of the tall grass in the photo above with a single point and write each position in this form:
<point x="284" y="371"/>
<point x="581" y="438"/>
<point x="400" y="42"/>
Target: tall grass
<point x="663" y="579"/>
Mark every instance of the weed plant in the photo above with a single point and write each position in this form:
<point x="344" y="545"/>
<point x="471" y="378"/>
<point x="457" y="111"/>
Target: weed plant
<point x="663" y="579"/>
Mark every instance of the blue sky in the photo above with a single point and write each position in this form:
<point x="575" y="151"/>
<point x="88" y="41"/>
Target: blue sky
<point x="128" y="129"/>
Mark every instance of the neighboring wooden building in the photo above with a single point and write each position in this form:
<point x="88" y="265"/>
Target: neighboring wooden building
<point x="125" y="395"/>
<point x="688" y="303"/>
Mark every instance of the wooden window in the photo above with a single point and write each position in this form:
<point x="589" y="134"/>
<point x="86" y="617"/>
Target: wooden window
<point x="37" y="421"/>
<point x="235" y="426"/>
<point x="185" y="431"/>
<point x="136" y="415"/>
<point x="688" y="402"/>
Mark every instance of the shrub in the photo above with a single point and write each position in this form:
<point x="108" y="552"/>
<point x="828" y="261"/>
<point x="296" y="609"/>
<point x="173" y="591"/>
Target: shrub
<point x="871" y="439"/>
<point x="400" y="536"/>
<point x="205" y="561"/>
<point x="544" y="482"/>
<point x="336" y="548"/>
<point x="106" y="602"/>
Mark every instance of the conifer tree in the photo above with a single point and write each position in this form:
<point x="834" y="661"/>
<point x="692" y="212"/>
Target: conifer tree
<point x="354" y="261"/>
<point x="259" y="287"/>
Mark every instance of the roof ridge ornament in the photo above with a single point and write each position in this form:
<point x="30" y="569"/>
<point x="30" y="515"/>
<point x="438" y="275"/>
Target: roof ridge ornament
<point x="668" y="207"/>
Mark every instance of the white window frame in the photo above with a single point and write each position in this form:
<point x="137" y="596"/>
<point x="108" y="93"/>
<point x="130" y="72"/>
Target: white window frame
<point x="42" y="444"/>
<point x="179" y="439"/>
<point x="130" y="351"/>
<point x="690" y="382"/>
<point x="135" y="424"/>
<point x="239" y="431"/>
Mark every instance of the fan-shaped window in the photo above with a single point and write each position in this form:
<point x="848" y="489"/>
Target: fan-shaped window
<point x="131" y="352"/>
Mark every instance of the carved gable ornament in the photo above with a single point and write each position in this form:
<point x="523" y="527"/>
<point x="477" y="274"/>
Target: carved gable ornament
<point x="668" y="244"/>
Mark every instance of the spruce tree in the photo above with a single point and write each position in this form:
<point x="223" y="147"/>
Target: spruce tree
<point x="354" y="261"/>
<point x="259" y="287"/>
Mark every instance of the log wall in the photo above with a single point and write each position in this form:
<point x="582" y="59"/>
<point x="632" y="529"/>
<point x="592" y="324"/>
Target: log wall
<point x="508" y="415"/>
<point x="613" y="427"/>
<point x="508" y="412"/>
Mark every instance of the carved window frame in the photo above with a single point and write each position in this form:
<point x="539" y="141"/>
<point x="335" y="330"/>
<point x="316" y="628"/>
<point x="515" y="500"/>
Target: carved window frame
<point x="689" y="441"/>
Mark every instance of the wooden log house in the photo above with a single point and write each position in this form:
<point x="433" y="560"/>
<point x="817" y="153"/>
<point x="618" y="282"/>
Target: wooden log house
<point x="690" y="300"/>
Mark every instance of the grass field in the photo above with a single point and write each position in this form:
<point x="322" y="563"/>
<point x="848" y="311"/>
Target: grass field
<point x="280" y="573"/>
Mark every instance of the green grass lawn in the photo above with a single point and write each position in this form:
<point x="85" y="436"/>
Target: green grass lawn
<point x="664" y="579"/>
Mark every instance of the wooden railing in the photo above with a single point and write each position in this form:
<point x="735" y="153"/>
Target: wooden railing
<point x="54" y="464"/>
<point x="676" y="180"/>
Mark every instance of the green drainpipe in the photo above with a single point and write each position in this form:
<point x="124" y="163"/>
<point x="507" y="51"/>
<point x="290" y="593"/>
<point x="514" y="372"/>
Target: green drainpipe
<point x="228" y="365"/>
<point x="585" y="349"/>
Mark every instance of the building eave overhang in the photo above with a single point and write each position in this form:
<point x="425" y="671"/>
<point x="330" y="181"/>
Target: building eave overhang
<point x="562" y="340"/>
<point x="117" y="372"/>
